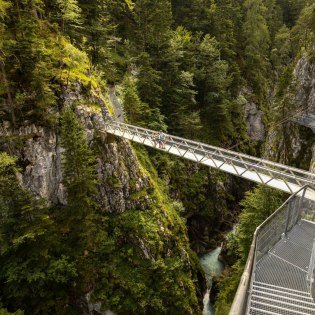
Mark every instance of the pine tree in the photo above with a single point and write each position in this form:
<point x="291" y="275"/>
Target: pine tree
<point x="153" y="21"/>
<point x="257" y="40"/>
<point x="6" y="95"/>
<point x="70" y="13"/>
<point x="137" y="111"/>
<point x="179" y="104"/>
<point x="212" y="81"/>
<point x="31" y="265"/>
<point x="78" y="167"/>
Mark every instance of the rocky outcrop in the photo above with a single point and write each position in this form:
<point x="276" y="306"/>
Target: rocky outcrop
<point x="304" y="74"/>
<point x="312" y="167"/>
<point x="255" y="126"/>
<point x="293" y="141"/>
<point x="118" y="170"/>
<point x="39" y="152"/>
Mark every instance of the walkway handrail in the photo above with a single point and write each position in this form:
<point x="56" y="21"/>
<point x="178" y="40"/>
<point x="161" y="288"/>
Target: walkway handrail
<point x="311" y="271"/>
<point x="145" y="132"/>
<point x="237" y="160"/>
<point x="240" y="302"/>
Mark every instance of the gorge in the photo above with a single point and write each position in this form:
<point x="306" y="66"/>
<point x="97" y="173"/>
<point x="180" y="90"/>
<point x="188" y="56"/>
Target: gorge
<point x="92" y="223"/>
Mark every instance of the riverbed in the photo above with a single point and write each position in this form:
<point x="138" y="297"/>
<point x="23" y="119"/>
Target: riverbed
<point x="212" y="268"/>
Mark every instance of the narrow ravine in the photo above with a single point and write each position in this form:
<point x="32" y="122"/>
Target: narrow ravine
<point x="212" y="268"/>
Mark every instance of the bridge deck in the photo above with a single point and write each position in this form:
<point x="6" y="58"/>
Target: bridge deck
<point x="261" y="171"/>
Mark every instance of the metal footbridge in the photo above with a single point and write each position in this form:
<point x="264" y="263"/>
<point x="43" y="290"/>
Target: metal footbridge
<point x="282" y="177"/>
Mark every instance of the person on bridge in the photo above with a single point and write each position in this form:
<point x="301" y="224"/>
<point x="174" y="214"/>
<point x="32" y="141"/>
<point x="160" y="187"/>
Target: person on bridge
<point x="155" y="138"/>
<point x="162" y="138"/>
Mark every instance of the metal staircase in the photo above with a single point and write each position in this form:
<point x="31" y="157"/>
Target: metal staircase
<point x="279" y="274"/>
<point x="271" y="299"/>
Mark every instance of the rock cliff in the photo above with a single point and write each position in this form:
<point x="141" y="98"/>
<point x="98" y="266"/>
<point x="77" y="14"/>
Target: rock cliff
<point x="126" y="191"/>
<point x="292" y="141"/>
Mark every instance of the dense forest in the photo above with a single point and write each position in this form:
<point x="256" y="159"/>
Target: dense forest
<point x="191" y="68"/>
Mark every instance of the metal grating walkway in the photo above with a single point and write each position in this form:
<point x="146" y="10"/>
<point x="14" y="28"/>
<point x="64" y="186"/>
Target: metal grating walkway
<point x="279" y="176"/>
<point x="279" y="284"/>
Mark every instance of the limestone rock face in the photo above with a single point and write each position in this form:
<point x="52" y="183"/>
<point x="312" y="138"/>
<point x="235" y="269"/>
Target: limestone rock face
<point x="304" y="73"/>
<point x="312" y="167"/>
<point x="253" y="117"/>
<point x="40" y="153"/>
<point x="297" y="143"/>
<point x="118" y="169"/>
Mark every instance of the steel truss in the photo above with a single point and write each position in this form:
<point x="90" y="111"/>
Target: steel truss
<point x="276" y="175"/>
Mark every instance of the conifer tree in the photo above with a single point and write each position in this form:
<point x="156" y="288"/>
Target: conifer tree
<point x="153" y="21"/>
<point x="137" y="111"/>
<point x="8" y="106"/>
<point x="79" y="167"/>
<point x="31" y="265"/>
<point x="212" y="82"/>
<point x="70" y="13"/>
<point x="257" y="41"/>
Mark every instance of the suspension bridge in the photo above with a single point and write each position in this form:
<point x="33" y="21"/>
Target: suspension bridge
<point x="279" y="276"/>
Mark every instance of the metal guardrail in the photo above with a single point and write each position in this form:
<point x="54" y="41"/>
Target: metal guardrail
<point x="266" y="236"/>
<point x="265" y="172"/>
<point x="311" y="273"/>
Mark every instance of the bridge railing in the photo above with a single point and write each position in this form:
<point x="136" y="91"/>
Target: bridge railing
<point x="265" y="171"/>
<point x="311" y="273"/>
<point x="266" y="236"/>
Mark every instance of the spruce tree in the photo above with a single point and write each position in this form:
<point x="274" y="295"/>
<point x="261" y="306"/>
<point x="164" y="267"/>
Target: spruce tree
<point x="79" y="168"/>
<point x="70" y="13"/>
<point x="257" y="41"/>
<point x="33" y="272"/>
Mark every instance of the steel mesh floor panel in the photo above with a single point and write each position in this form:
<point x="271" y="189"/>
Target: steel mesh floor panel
<point x="275" y="271"/>
<point x="293" y="253"/>
<point x="303" y="234"/>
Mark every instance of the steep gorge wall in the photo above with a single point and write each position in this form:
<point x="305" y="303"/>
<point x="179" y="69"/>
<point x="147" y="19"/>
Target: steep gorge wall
<point x="126" y="191"/>
<point x="293" y="142"/>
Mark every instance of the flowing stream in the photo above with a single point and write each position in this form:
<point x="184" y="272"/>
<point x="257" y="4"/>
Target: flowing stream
<point x="212" y="268"/>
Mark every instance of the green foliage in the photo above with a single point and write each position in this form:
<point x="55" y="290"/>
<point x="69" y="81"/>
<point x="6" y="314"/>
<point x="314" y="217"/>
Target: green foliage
<point x="153" y="21"/>
<point x="31" y="265"/>
<point x="258" y="205"/>
<point x="183" y="65"/>
<point x="137" y="111"/>
<point x="257" y="39"/>
<point x="304" y="30"/>
<point x="4" y="5"/>
<point x="212" y="78"/>
<point x="227" y="288"/>
<point x="70" y="13"/>
<point x="78" y="162"/>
